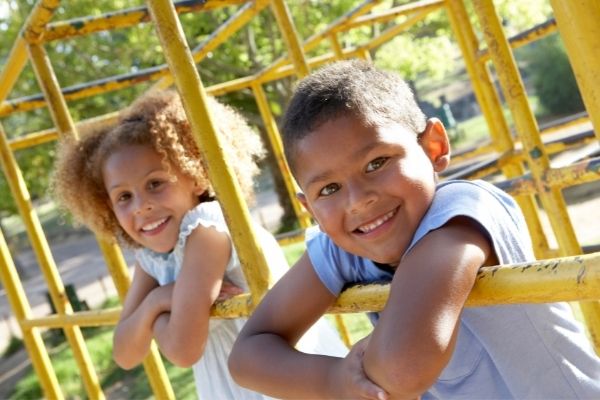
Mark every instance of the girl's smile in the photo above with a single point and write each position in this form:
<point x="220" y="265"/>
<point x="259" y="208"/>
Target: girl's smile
<point x="148" y="199"/>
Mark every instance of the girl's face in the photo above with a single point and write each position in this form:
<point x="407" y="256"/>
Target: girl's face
<point x="148" y="200"/>
<point x="369" y="187"/>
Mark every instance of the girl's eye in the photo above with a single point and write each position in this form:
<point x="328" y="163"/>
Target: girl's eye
<point x="376" y="164"/>
<point x="122" y="197"/>
<point x="155" y="184"/>
<point x="329" y="189"/>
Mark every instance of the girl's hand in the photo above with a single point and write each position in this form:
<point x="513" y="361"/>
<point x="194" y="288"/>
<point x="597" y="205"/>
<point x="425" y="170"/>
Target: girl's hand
<point x="352" y="378"/>
<point x="228" y="290"/>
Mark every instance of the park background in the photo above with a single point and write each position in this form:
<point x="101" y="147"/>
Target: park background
<point x="425" y="55"/>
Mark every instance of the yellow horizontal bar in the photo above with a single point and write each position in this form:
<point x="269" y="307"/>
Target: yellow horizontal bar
<point x="393" y="13"/>
<point x="124" y="18"/>
<point x="561" y="279"/>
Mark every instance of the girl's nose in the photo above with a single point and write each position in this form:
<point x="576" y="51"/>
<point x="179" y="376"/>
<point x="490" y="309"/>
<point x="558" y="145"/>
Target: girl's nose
<point x="143" y="204"/>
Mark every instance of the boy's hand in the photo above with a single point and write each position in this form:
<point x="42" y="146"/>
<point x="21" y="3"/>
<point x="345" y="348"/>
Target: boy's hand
<point x="228" y="290"/>
<point x="353" y="381"/>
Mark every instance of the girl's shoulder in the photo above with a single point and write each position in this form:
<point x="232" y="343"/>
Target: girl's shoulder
<point x="207" y="214"/>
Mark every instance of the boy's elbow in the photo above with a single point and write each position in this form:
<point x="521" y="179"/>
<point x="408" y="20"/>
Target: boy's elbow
<point x="235" y="363"/>
<point x="402" y="377"/>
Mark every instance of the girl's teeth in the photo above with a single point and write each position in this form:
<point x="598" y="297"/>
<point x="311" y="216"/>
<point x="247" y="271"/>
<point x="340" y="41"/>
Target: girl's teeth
<point x="153" y="225"/>
<point x="368" y="228"/>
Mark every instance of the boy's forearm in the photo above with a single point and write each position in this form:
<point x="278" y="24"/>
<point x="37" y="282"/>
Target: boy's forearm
<point x="267" y="364"/>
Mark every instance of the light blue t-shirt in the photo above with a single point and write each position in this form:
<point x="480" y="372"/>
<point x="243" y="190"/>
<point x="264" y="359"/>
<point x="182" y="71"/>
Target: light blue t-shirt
<point x="533" y="351"/>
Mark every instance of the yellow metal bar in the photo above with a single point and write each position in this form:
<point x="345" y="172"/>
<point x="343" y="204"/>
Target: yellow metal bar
<point x="336" y="47"/>
<point x="38" y="18"/>
<point x="22" y="311"/>
<point x="531" y="35"/>
<point x="42" y="251"/>
<point x="47" y="81"/>
<point x="485" y="93"/>
<point x="107" y="317"/>
<point x="393" y="13"/>
<point x="48" y="135"/>
<point x="314" y="40"/>
<point x="153" y="365"/>
<point x="124" y="18"/>
<point x="526" y="124"/>
<point x="290" y="37"/>
<point x="221" y="175"/>
<point x="546" y="281"/>
<point x="220" y="35"/>
<point x="578" y="25"/>
<point x="277" y="148"/>
<point x="392" y="32"/>
<point x="581" y="172"/>
<point x="62" y="119"/>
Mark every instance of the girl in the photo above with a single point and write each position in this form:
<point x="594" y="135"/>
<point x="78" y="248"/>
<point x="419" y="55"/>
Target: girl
<point x="143" y="182"/>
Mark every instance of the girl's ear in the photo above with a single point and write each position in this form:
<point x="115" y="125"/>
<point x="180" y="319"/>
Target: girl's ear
<point x="198" y="189"/>
<point x="435" y="143"/>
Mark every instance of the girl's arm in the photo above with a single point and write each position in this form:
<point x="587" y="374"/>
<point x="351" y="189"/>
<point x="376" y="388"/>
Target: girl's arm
<point x="264" y="359"/>
<point x="181" y="334"/>
<point x="415" y="336"/>
<point x="145" y="300"/>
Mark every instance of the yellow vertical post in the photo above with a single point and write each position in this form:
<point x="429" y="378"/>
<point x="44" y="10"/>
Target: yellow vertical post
<point x="154" y="367"/>
<point x="290" y="37"/>
<point x="526" y="127"/>
<point x="578" y="26"/>
<point x="491" y="108"/>
<point x="38" y="17"/>
<point x="276" y="145"/>
<point x="64" y="124"/>
<point x="288" y="29"/>
<point x="44" y="257"/>
<point x="31" y="337"/>
<point x="336" y="46"/>
<point x="220" y="173"/>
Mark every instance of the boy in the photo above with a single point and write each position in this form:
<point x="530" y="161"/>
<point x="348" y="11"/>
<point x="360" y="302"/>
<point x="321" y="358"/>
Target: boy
<point x="366" y="160"/>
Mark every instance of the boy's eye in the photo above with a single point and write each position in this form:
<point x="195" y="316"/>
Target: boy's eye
<point x="329" y="189"/>
<point x="376" y="164"/>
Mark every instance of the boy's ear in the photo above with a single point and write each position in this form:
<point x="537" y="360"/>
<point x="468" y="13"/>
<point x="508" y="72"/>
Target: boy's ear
<point x="302" y="199"/>
<point x="435" y="143"/>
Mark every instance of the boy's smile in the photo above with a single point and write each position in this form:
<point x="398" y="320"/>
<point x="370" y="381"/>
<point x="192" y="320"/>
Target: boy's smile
<point x="146" y="199"/>
<point x="369" y="187"/>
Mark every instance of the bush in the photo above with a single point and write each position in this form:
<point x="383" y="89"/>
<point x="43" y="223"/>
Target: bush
<point x="552" y="77"/>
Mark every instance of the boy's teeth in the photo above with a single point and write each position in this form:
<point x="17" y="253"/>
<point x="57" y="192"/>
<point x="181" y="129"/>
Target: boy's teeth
<point x="153" y="225"/>
<point x="368" y="228"/>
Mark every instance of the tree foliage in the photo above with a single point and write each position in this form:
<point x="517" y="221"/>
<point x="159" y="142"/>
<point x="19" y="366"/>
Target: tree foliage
<point x="426" y="50"/>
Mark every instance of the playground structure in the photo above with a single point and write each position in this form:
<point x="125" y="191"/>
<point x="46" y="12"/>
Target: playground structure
<point x="563" y="274"/>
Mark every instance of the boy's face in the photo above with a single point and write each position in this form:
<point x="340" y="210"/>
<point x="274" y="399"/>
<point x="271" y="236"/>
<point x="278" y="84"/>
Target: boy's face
<point x="369" y="187"/>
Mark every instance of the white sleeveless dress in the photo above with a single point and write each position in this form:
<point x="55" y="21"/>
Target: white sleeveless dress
<point x="212" y="377"/>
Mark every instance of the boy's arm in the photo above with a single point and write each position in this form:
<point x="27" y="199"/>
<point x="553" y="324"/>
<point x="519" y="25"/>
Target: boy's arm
<point x="145" y="300"/>
<point x="182" y="333"/>
<point x="415" y="336"/>
<point x="264" y="359"/>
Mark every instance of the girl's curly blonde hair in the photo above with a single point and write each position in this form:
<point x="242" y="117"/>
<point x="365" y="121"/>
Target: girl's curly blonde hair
<point x="157" y="119"/>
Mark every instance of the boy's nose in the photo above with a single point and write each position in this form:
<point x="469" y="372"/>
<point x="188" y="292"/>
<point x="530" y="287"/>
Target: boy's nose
<point x="360" y="195"/>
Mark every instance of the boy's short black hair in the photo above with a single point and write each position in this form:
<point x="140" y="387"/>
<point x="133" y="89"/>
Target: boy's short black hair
<point x="353" y="87"/>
